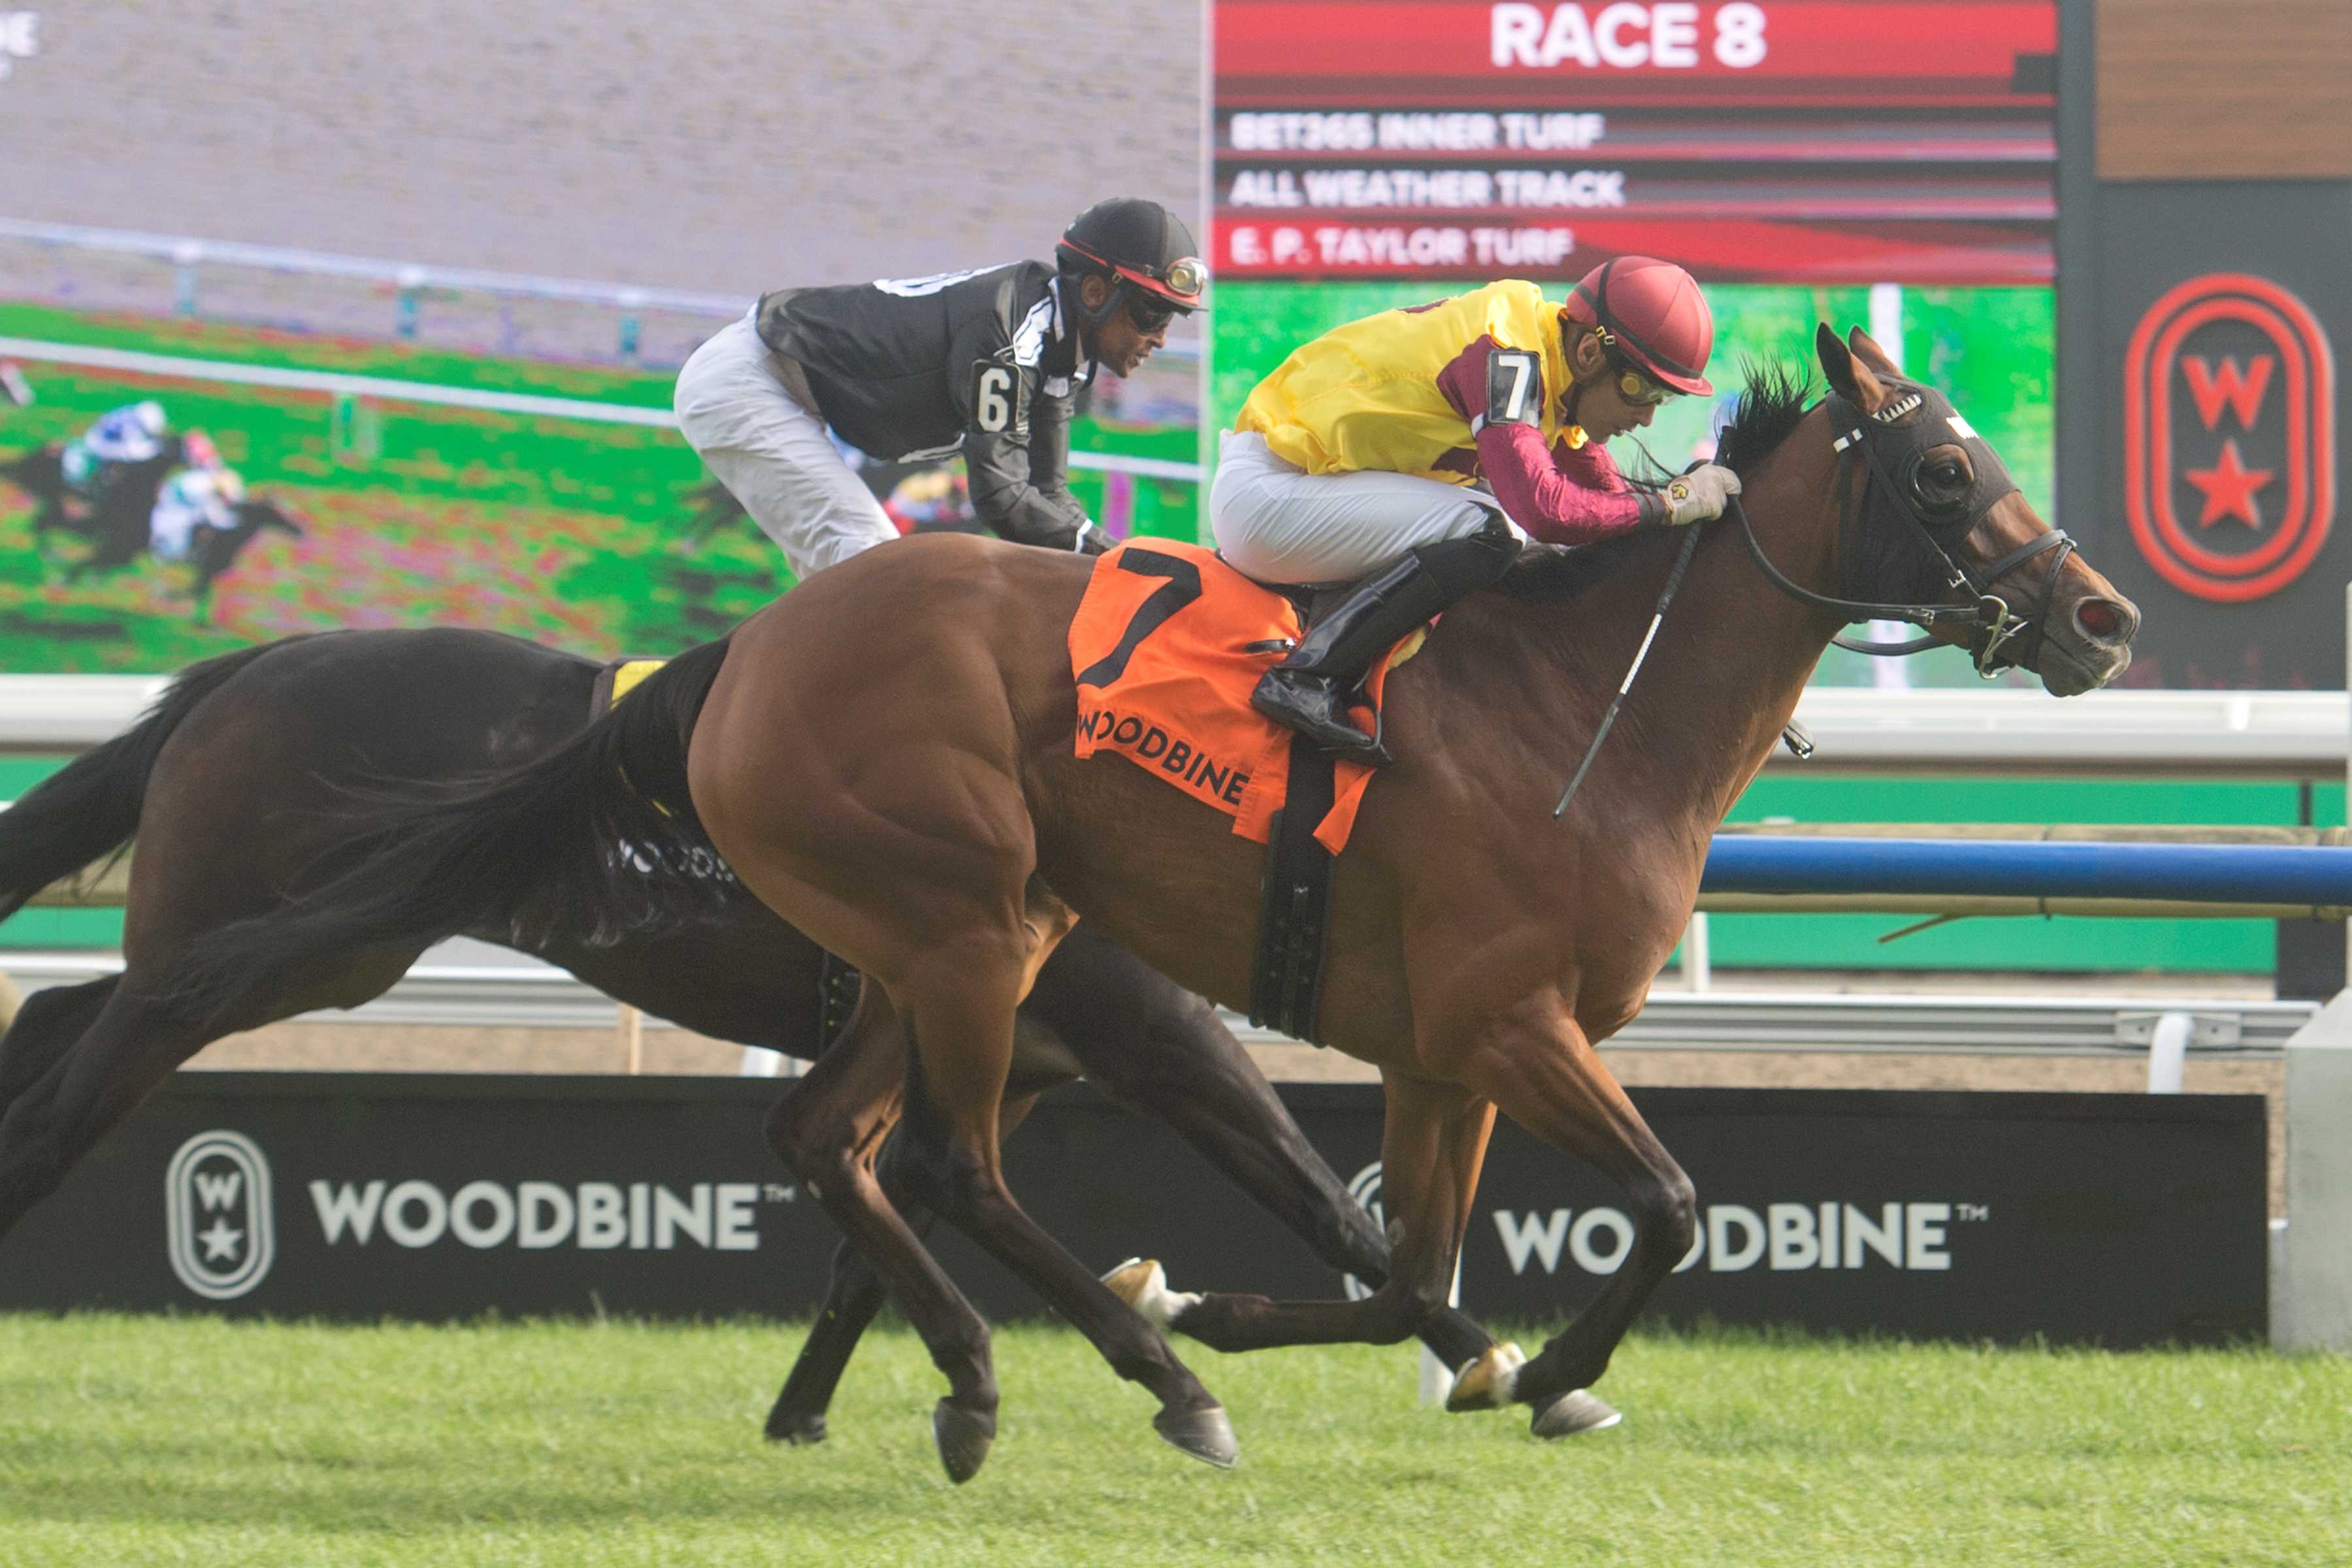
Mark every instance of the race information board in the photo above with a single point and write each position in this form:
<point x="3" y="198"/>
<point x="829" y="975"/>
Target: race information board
<point x="1788" y="141"/>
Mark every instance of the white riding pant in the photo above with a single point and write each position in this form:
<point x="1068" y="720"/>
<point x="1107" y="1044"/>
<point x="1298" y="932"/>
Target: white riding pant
<point x="1280" y="523"/>
<point x="773" y="455"/>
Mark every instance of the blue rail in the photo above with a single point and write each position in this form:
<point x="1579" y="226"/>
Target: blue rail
<point x="2213" y="873"/>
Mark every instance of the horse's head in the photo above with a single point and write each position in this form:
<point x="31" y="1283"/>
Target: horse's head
<point x="1934" y="519"/>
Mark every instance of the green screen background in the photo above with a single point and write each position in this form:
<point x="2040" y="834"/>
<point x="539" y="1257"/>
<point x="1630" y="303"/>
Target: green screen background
<point x="1992" y="351"/>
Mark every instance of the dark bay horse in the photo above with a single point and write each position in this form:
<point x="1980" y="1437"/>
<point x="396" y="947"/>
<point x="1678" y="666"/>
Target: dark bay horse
<point x="255" y="766"/>
<point x="214" y="550"/>
<point x="911" y="801"/>
<point x="115" y="523"/>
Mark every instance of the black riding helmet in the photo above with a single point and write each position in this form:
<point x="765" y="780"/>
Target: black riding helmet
<point x="1145" y="251"/>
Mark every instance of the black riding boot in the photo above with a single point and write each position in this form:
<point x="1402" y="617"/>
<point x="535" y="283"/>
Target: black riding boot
<point x="1311" y="691"/>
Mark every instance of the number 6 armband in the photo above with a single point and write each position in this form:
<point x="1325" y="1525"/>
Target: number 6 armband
<point x="999" y="396"/>
<point x="1514" y="387"/>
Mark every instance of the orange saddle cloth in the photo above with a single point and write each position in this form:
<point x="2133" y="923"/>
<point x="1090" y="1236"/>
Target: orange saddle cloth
<point x="1167" y="646"/>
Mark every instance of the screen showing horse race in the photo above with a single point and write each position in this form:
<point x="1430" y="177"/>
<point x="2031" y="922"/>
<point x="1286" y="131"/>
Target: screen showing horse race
<point x="1889" y="166"/>
<point x="330" y="316"/>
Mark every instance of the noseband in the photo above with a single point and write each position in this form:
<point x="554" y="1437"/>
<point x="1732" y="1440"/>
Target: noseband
<point x="1893" y="447"/>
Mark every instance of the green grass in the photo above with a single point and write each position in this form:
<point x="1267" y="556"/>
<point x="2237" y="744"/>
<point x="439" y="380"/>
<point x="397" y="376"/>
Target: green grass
<point x="145" y="1440"/>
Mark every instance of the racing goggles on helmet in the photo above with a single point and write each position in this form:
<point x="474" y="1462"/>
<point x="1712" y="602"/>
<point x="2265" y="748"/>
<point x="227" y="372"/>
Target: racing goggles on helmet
<point x="1632" y="386"/>
<point x="1153" y="297"/>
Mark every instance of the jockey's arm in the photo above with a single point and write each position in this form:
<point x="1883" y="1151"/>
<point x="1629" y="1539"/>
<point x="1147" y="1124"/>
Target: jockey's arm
<point x="1569" y="497"/>
<point x="1020" y="482"/>
<point x="1016" y="441"/>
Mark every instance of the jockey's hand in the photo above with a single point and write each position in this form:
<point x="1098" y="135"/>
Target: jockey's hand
<point x="1091" y="540"/>
<point x="1700" y="495"/>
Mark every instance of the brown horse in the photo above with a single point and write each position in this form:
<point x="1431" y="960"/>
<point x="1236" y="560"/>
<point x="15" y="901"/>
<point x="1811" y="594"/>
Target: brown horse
<point x="257" y="767"/>
<point x="907" y="796"/>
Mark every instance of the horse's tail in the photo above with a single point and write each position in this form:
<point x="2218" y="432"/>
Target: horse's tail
<point x="598" y="831"/>
<point x="90" y="808"/>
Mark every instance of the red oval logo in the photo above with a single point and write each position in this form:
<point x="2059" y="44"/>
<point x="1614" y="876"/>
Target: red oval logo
<point x="2230" y="437"/>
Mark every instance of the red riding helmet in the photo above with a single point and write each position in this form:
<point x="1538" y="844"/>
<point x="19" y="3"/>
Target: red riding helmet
<point x="1651" y="313"/>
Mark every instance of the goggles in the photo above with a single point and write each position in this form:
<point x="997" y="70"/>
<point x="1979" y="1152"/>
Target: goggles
<point x="1631" y="386"/>
<point x="1148" y="292"/>
<point x="1149" y="312"/>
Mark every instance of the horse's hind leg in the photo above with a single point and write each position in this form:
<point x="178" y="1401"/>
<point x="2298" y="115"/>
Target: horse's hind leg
<point x="959" y="1010"/>
<point x="1150" y="1044"/>
<point x="45" y="1028"/>
<point x="828" y="1127"/>
<point x="852" y="1297"/>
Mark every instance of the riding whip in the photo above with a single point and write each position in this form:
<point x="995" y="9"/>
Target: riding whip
<point x="1674" y="581"/>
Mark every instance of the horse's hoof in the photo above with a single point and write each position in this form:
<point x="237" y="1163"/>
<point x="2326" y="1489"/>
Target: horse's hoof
<point x="797" y="1427"/>
<point x="963" y="1436"/>
<point x="1205" y="1435"/>
<point x="1576" y="1411"/>
<point x="1142" y="1284"/>
<point x="1486" y="1381"/>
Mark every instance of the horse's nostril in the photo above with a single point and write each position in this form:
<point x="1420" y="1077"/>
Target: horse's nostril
<point x="2100" y="617"/>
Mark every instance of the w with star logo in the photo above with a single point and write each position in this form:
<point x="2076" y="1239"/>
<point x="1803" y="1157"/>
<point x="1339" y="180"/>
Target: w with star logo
<point x="218" y="1215"/>
<point x="2230" y="437"/>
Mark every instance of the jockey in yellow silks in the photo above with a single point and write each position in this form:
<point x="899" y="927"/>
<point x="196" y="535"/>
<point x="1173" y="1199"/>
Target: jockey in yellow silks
<point x="1408" y="454"/>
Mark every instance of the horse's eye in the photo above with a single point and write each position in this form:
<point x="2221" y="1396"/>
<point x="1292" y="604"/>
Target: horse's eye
<point x="1942" y="479"/>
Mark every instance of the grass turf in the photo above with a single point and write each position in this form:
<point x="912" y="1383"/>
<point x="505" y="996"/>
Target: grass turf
<point x="145" y="1440"/>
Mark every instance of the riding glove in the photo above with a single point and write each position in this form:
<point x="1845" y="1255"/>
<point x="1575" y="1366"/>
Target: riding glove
<point x="1698" y="496"/>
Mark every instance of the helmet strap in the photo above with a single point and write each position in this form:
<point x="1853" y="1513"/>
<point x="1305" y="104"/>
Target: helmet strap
<point x="1076" y="301"/>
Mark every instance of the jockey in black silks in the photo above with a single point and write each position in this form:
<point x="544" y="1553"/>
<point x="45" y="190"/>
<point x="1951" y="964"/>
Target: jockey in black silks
<point x="985" y="364"/>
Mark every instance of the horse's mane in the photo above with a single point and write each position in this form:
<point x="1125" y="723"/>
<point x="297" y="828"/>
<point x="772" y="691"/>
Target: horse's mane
<point x="1775" y="395"/>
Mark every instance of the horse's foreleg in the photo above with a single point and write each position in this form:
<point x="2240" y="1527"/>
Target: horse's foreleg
<point x="1150" y="1044"/>
<point x="852" y="1300"/>
<point x="1433" y="1145"/>
<point x="45" y="1028"/>
<point x="1545" y="1075"/>
<point x="84" y="1091"/>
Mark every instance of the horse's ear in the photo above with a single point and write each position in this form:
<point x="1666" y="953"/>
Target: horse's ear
<point x="1865" y="349"/>
<point x="1848" y="376"/>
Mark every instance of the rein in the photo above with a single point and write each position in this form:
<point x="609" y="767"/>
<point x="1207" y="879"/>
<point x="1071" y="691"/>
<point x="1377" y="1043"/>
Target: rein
<point x="1989" y="613"/>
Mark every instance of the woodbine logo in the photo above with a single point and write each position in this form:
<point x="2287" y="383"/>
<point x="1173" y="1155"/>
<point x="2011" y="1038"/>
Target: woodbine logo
<point x="1732" y="1237"/>
<point x="20" y="39"/>
<point x="534" y="1216"/>
<point x="219" y="1216"/>
<point x="221" y="1234"/>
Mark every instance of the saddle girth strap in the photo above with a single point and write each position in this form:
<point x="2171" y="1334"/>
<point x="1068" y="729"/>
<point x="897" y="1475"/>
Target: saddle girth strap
<point x="1295" y="909"/>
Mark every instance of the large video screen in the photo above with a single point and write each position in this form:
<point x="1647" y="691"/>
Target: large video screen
<point x="420" y="277"/>
<point x="1885" y="166"/>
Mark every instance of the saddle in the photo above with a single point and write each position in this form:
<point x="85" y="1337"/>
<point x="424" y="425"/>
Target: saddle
<point x="1165" y="650"/>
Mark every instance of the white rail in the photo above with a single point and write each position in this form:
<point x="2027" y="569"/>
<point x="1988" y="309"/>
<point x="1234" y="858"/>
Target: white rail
<point x="2293" y="733"/>
<point x="2299" y="734"/>
<point x="187" y="254"/>
<point x="393" y="389"/>
<point x="521" y="992"/>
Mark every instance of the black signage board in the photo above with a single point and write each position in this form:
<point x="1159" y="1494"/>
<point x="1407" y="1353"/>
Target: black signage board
<point x="2202" y="431"/>
<point x="2113" y="1219"/>
<point x="2222" y="425"/>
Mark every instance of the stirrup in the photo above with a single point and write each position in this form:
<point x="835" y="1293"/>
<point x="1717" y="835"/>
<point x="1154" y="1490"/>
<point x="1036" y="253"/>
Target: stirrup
<point x="1311" y="703"/>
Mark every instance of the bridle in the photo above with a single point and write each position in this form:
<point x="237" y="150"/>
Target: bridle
<point x="1893" y="447"/>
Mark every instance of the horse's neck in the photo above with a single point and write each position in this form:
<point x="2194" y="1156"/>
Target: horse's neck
<point x="1725" y="673"/>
